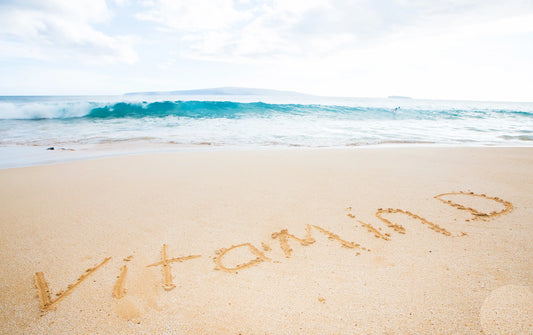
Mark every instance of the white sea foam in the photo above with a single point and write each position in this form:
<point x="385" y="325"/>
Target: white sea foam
<point x="44" y="110"/>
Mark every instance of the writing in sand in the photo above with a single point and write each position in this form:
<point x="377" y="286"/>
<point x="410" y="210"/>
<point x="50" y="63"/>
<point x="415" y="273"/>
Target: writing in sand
<point x="259" y="254"/>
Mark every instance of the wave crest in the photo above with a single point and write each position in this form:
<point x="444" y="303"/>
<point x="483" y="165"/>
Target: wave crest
<point x="232" y="110"/>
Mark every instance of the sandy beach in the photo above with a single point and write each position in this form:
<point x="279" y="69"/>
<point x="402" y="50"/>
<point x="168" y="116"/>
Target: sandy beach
<point x="408" y="240"/>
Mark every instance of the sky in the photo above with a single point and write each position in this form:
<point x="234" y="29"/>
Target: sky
<point x="431" y="49"/>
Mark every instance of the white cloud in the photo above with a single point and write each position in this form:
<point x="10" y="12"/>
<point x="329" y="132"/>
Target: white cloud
<point x="264" y="30"/>
<point x="58" y="29"/>
<point x="192" y="16"/>
<point x="232" y="29"/>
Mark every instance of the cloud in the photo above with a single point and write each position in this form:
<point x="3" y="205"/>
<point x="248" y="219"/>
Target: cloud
<point x="231" y="28"/>
<point x="61" y="29"/>
<point x="263" y="30"/>
<point x="193" y="16"/>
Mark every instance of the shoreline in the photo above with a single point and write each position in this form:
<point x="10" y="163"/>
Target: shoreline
<point x="272" y="241"/>
<point x="19" y="156"/>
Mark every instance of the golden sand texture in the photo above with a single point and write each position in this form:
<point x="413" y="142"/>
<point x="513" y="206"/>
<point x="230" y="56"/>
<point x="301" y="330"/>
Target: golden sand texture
<point x="293" y="233"/>
<point x="508" y="310"/>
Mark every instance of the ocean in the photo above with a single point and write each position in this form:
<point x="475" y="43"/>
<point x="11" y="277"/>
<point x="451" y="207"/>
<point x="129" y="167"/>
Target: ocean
<point x="31" y="124"/>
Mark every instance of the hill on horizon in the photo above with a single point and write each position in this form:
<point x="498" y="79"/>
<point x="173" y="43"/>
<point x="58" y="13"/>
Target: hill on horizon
<point x="222" y="91"/>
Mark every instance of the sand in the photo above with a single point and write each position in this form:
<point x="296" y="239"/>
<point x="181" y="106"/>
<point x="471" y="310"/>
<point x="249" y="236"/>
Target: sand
<point x="303" y="241"/>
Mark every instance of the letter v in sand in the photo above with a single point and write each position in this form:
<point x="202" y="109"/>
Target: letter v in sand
<point x="46" y="301"/>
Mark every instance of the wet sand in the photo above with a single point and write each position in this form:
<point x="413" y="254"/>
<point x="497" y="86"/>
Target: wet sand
<point x="302" y="241"/>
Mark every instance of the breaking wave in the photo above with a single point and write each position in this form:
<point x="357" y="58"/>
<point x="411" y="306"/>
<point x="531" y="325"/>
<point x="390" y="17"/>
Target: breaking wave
<point x="231" y="110"/>
<point x="74" y="121"/>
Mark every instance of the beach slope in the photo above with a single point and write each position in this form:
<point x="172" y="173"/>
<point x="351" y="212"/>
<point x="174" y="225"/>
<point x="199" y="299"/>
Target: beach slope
<point x="303" y="241"/>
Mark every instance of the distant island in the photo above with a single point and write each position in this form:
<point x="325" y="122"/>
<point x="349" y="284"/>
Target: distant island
<point x="238" y="91"/>
<point x="223" y="91"/>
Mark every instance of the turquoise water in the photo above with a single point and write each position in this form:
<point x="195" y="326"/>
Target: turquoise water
<point x="258" y="121"/>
